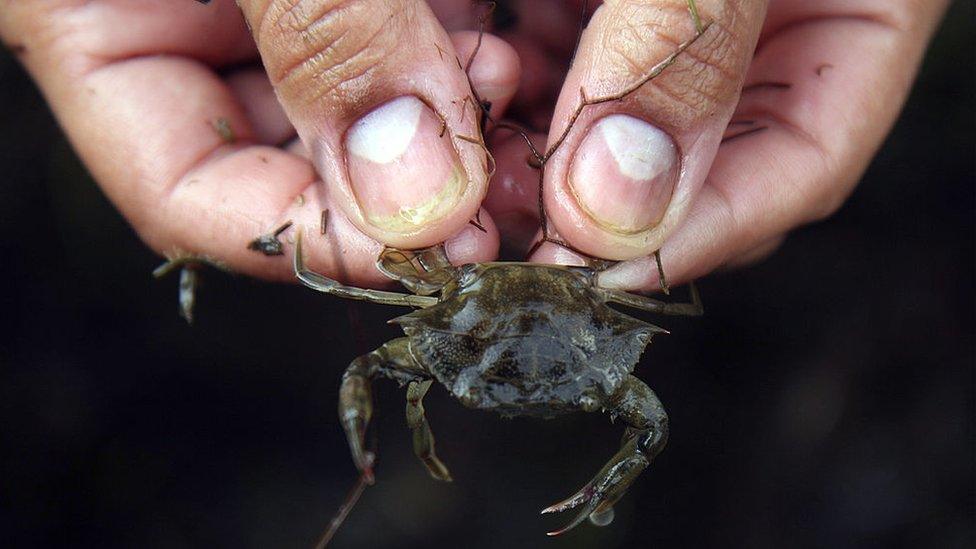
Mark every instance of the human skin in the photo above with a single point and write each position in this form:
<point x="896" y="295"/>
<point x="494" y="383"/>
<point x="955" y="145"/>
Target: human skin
<point x="347" y="115"/>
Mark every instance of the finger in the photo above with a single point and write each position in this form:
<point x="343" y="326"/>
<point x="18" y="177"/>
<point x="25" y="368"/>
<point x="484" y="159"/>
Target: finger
<point x="756" y="254"/>
<point x="513" y="195"/>
<point x="494" y="75"/>
<point x="555" y="254"/>
<point x="824" y="121"/>
<point x="624" y="175"/>
<point x="68" y="35"/>
<point x="454" y="15"/>
<point x="544" y="33"/>
<point x="552" y="25"/>
<point x="139" y="120"/>
<point x="540" y="81"/>
<point x="144" y="126"/>
<point x="237" y="192"/>
<point x="495" y="68"/>
<point x="476" y="242"/>
<point x="253" y="91"/>
<point x="377" y="94"/>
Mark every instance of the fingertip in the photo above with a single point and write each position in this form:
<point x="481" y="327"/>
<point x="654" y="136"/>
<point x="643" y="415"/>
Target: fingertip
<point x="495" y="70"/>
<point x="699" y="245"/>
<point x="256" y="96"/>
<point x="477" y="242"/>
<point x="554" y="254"/>
<point x="225" y="204"/>
<point x="635" y="275"/>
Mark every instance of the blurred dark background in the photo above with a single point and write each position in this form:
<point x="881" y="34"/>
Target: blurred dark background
<point x="825" y="400"/>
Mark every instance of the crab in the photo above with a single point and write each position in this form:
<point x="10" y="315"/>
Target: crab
<point x="514" y="338"/>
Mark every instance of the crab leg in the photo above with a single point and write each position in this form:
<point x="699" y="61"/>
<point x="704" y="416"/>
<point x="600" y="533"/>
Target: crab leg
<point x="322" y="283"/>
<point x="423" y="438"/>
<point x="392" y="360"/>
<point x="650" y="304"/>
<point x="640" y="408"/>
<point x="423" y="272"/>
<point x="355" y="411"/>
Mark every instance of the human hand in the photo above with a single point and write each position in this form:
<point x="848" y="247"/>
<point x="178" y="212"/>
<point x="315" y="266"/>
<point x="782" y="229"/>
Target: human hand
<point x="143" y="123"/>
<point x="820" y="93"/>
<point x="165" y="104"/>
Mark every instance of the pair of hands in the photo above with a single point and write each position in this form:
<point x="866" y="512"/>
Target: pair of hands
<point x="368" y="96"/>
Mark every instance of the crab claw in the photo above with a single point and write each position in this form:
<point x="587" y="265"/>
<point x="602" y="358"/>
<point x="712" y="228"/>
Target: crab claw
<point x="645" y="437"/>
<point x="355" y="410"/>
<point x="355" y="428"/>
<point x="571" y="502"/>
<point x="587" y="511"/>
<point x="592" y="508"/>
<point x="597" y="497"/>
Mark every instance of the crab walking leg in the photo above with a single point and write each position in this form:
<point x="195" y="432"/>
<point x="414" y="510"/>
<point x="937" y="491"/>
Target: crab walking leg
<point x="392" y="360"/>
<point x="650" y="304"/>
<point x="423" y="272"/>
<point x="325" y="284"/>
<point x="639" y="407"/>
<point x="355" y="411"/>
<point x="423" y="437"/>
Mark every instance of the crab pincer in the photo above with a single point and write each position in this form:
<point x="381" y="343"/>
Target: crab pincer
<point x="639" y="407"/>
<point x="597" y="497"/>
<point x="355" y="411"/>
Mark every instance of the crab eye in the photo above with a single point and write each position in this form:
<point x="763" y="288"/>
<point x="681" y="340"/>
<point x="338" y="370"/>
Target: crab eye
<point x="589" y="403"/>
<point x="467" y="274"/>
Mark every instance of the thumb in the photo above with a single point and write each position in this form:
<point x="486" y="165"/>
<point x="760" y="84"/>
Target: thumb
<point x="380" y="101"/>
<point x="640" y="117"/>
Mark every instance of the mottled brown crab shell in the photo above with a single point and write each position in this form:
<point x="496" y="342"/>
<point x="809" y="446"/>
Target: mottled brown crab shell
<point x="526" y="339"/>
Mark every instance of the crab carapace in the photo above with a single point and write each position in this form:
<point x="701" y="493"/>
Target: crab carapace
<point x="515" y="338"/>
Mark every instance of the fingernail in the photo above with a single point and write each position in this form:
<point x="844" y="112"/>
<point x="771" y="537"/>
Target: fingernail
<point x="624" y="172"/>
<point x="403" y="167"/>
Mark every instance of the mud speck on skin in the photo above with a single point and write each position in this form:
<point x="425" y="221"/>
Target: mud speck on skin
<point x="268" y="244"/>
<point x="222" y="127"/>
<point x="821" y="68"/>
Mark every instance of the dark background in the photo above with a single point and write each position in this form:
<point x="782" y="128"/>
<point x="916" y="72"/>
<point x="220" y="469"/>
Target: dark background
<point x="826" y="398"/>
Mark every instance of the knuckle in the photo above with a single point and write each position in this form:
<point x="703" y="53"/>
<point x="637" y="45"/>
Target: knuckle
<point x="314" y="48"/>
<point x="703" y="79"/>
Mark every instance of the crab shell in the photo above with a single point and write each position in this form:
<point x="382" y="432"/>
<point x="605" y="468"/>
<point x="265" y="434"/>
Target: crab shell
<point x="526" y="339"/>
